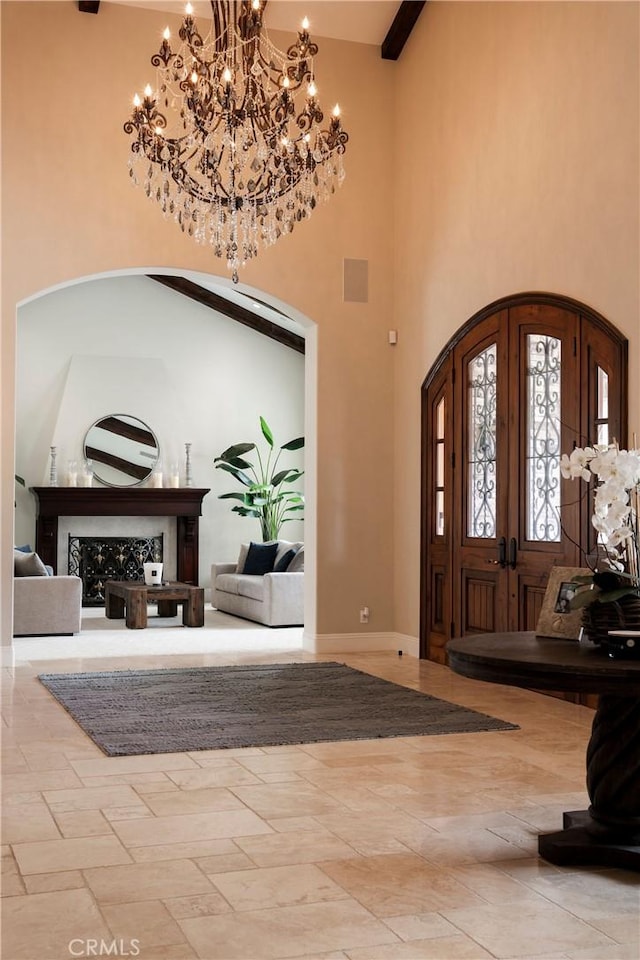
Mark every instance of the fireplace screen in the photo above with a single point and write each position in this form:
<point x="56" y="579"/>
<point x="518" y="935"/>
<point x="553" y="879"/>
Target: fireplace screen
<point x="98" y="559"/>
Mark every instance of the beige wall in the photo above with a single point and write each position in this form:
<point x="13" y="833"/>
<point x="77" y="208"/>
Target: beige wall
<point x="519" y="171"/>
<point x="69" y="211"/>
<point x="516" y="127"/>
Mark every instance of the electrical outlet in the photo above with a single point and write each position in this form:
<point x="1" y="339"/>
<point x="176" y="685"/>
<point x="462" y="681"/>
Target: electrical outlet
<point x="364" y="615"/>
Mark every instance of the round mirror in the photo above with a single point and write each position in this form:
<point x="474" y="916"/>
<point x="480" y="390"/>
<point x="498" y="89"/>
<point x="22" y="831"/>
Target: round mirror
<point x="123" y="449"/>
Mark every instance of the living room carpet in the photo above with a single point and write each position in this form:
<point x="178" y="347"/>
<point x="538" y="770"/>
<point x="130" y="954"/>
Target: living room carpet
<point x="208" y="708"/>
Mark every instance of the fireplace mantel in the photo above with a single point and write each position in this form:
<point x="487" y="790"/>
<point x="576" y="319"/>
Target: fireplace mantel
<point x="184" y="503"/>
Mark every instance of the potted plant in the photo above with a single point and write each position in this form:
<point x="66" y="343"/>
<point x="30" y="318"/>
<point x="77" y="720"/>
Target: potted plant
<point x="264" y="496"/>
<point x="610" y="595"/>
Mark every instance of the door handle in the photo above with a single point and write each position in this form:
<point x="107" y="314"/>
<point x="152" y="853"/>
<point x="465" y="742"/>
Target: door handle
<point x="513" y="553"/>
<point x="502" y="553"/>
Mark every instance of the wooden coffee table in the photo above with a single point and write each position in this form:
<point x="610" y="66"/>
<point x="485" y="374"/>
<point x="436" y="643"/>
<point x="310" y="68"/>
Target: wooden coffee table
<point x="135" y="595"/>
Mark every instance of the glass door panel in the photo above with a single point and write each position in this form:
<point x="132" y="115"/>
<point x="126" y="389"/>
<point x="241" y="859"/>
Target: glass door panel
<point x="482" y="452"/>
<point x="543" y="418"/>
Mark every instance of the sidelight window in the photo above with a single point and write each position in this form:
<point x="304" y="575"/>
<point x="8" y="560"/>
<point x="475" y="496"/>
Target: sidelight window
<point x="440" y="471"/>
<point x="602" y="417"/>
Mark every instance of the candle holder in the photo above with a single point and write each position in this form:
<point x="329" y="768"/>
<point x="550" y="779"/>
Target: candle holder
<point x="188" y="478"/>
<point x="53" y="470"/>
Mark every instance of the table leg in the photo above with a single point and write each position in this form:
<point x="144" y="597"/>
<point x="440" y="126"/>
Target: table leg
<point x="608" y="833"/>
<point x="193" y="608"/>
<point x="137" y="609"/>
<point x="113" y="606"/>
<point x="167" y="608"/>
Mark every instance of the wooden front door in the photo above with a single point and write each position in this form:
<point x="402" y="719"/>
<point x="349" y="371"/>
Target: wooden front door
<point x="523" y="382"/>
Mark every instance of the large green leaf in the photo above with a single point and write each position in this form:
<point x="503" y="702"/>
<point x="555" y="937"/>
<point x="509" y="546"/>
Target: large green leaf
<point x="266" y="431"/>
<point x="240" y="462"/>
<point x="247" y="511"/>
<point x="283" y="475"/>
<point x="296" y="444"/>
<point x="235" y="451"/>
<point x="238" y="474"/>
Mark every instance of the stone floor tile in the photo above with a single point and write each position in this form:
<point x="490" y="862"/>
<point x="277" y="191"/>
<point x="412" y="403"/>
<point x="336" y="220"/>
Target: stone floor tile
<point x="146" y="881"/>
<point x="148" y="924"/>
<point x="51" y="856"/>
<point x="152" y="780"/>
<point x="133" y="811"/>
<point x="82" y="823"/>
<point x="44" y="780"/>
<point x="266" y="887"/>
<point x="295" y="847"/>
<point x="47" y="882"/>
<point x="399" y="883"/>
<point x="423" y="926"/>
<point x="29" y="822"/>
<point x="199" y="905"/>
<point x="193" y="801"/>
<point x="285" y="931"/>
<point x="212" y="776"/>
<point x="291" y="799"/>
<point x="456" y="947"/>
<point x="506" y="929"/>
<point x="42" y="925"/>
<point x="177" y="829"/>
<point x="112" y="766"/>
<point x="225" y="863"/>
<point x="186" y="850"/>
<point x="90" y="798"/>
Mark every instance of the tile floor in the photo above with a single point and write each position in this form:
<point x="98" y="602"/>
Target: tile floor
<point x="398" y="849"/>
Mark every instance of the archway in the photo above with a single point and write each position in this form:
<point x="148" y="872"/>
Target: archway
<point x="275" y="309"/>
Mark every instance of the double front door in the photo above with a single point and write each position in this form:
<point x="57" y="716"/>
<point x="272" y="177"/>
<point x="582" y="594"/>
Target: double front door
<point x="522" y="383"/>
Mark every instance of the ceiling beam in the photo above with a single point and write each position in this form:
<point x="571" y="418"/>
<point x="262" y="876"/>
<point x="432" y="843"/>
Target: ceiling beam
<point x="400" y="30"/>
<point x="88" y="6"/>
<point x="234" y="311"/>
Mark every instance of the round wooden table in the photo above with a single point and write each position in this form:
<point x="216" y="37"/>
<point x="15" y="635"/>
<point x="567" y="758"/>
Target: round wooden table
<point x="608" y="833"/>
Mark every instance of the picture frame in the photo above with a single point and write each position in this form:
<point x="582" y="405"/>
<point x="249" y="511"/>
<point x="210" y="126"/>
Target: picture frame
<point x="556" y="618"/>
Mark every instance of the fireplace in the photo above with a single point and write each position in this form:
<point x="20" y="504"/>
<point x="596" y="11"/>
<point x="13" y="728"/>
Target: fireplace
<point x="182" y="503"/>
<point x="98" y="559"/>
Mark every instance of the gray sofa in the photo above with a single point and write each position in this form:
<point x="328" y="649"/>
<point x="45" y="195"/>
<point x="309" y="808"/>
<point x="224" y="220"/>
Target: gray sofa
<point x="274" y="599"/>
<point x="43" y="606"/>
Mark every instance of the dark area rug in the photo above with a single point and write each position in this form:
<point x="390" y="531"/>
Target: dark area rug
<point x="208" y="708"/>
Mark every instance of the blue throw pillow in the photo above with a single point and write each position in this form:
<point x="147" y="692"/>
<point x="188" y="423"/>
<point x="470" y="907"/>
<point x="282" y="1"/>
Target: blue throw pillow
<point x="260" y="558"/>
<point x="284" y="561"/>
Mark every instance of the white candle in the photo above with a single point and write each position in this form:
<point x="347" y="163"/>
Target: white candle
<point x="72" y="479"/>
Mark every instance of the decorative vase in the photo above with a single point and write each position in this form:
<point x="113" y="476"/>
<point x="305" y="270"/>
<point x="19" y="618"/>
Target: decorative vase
<point x="620" y="615"/>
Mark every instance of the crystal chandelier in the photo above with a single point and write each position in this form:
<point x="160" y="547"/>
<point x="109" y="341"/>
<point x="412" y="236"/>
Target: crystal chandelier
<point x="231" y="143"/>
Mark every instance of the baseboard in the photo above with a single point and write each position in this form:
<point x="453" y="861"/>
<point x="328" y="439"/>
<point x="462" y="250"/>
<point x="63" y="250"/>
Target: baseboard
<point x="361" y="643"/>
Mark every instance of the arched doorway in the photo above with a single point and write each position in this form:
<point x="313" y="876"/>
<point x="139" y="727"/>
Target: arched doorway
<point x="97" y="327"/>
<point x="524" y="380"/>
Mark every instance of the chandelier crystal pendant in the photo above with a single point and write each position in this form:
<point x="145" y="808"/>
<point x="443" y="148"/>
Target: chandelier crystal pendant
<point x="231" y="143"/>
